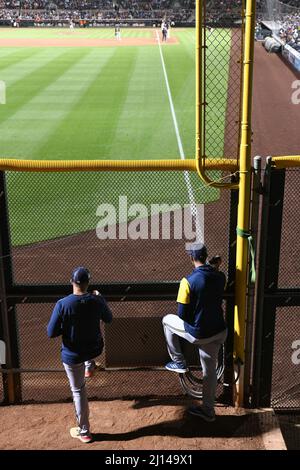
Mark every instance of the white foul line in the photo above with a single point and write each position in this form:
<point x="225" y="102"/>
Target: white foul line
<point x="194" y="211"/>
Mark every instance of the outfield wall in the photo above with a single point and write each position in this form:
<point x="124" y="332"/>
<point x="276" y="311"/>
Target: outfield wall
<point x="109" y="23"/>
<point x="125" y="23"/>
<point x="292" y="56"/>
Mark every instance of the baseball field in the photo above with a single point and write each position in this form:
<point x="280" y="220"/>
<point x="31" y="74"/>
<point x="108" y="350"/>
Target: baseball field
<point x="83" y="95"/>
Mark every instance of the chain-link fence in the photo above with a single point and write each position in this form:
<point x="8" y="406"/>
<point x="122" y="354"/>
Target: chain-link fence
<point x="222" y="104"/>
<point x="277" y="349"/>
<point x="133" y="342"/>
<point x="286" y="359"/>
<point x="222" y="76"/>
<point x="125" y="227"/>
<point x="289" y="270"/>
<point x="1" y="390"/>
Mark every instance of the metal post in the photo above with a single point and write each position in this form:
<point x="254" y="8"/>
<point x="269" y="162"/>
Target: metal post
<point x="12" y="387"/>
<point x="249" y="340"/>
<point x="244" y="198"/>
<point x="229" y="312"/>
<point x="269" y="255"/>
<point x="8" y="380"/>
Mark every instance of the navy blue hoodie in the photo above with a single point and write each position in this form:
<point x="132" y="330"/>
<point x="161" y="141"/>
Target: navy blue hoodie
<point x="77" y="319"/>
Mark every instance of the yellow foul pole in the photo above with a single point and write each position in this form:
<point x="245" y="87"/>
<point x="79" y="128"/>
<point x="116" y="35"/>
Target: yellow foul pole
<point x="244" y="197"/>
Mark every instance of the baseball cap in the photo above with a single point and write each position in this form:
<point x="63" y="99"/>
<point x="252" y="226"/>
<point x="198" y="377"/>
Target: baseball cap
<point x="80" y="275"/>
<point x="196" y="250"/>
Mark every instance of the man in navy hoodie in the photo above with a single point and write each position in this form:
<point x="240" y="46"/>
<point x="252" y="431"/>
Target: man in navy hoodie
<point x="77" y="319"/>
<point x="200" y="321"/>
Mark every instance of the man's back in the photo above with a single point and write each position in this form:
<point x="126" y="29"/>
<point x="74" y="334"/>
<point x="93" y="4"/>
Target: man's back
<point x="77" y="318"/>
<point x="203" y="296"/>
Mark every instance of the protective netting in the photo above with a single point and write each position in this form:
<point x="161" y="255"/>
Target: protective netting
<point x="106" y="385"/>
<point x="134" y="339"/>
<point x="289" y="273"/>
<point x="289" y="423"/>
<point x="1" y="389"/>
<point x="222" y="103"/>
<point x="124" y="226"/>
<point x="286" y="359"/>
<point x="280" y="14"/>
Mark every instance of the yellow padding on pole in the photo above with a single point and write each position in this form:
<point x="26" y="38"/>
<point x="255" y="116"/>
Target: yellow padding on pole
<point x="287" y="162"/>
<point x="113" y="165"/>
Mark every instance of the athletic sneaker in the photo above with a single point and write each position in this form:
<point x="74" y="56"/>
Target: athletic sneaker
<point x="178" y="367"/>
<point x="199" y="411"/>
<point x="89" y="373"/>
<point x="86" y="437"/>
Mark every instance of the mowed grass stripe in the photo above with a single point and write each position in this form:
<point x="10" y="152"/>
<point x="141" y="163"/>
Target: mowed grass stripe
<point x="11" y="55"/>
<point x="27" y="64"/>
<point x="91" y="123"/>
<point x="24" y="90"/>
<point x="187" y="42"/>
<point x="182" y="87"/>
<point x="145" y="129"/>
<point x="181" y="73"/>
<point x="29" y="127"/>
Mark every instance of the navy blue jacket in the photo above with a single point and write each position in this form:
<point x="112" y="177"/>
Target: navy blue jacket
<point x="200" y="300"/>
<point x="77" y="319"/>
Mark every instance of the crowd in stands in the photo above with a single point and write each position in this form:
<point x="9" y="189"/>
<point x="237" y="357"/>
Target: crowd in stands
<point x="49" y="10"/>
<point x="175" y="10"/>
<point x="228" y="9"/>
<point x="292" y="3"/>
<point x="290" y="31"/>
<point x="286" y="20"/>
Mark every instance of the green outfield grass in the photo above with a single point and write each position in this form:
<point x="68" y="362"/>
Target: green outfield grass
<point x="98" y="103"/>
<point x="58" y="33"/>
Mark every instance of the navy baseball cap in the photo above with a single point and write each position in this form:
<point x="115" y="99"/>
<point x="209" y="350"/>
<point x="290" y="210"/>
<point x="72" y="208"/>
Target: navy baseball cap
<point x="197" y="250"/>
<point x="80" y="275"/>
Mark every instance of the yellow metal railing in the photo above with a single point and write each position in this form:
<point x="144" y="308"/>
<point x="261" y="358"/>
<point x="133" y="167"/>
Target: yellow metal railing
<point x="292" y="161"/>
<point x="223" y="164"/>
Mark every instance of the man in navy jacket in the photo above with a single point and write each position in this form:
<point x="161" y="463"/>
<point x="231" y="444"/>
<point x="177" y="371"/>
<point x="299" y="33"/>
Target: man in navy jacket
<point x="77" y="319"/>
<point x="200" y="321"/>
